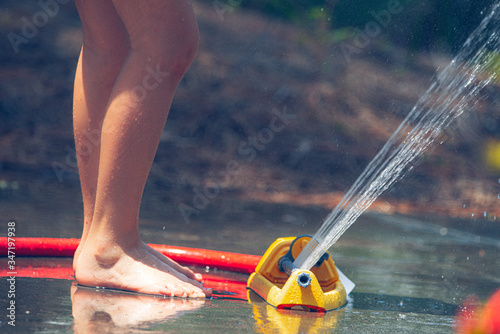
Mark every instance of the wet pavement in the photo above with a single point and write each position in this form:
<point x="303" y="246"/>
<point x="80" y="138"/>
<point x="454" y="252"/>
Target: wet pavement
<point x="61" y="308"/>
<point x="411" y="274"/>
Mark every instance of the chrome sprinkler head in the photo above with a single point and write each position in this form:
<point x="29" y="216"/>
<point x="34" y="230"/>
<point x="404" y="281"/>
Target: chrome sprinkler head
<point x="303" y="279"/>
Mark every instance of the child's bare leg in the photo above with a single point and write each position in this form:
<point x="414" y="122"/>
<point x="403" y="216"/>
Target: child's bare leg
<point x="163" y="37"/>
<point x="105" y="47"/>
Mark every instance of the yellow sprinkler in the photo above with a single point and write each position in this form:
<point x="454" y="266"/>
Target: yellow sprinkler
<point x="282" y="285"/>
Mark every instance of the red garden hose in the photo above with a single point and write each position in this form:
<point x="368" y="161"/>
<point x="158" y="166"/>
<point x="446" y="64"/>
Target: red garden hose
<point x="56" y="247"/>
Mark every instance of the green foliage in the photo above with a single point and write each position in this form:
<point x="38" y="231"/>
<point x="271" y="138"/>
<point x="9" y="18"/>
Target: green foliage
<point x="420" y="24"/>
<point x="295" y="10"/>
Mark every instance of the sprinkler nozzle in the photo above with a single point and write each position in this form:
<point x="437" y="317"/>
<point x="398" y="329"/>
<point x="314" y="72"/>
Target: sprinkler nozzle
<point x="286" y="262"/>
<point x="303" y="280"/>
<point x="286" y="265"/>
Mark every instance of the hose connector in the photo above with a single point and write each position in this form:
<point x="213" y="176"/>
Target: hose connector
<point x="285" y="263"/>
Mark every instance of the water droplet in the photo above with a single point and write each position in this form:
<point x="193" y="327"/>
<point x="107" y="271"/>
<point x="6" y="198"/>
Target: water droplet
<point x="498" y="196"/>
<point x="472" y="214"/>
<point x="443" y="231"/>
<point x="485" y="214"/>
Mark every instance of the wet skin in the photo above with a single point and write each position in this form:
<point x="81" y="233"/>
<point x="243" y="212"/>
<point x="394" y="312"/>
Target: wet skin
<point x="133" y="56"/>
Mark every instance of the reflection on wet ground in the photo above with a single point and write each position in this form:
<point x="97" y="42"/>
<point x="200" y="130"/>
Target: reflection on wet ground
<point x="52" y="305"/>
<point x="97" y="311"/>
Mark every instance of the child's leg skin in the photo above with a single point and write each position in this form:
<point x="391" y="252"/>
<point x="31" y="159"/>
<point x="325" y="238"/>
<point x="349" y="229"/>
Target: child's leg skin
<point x="105" y="47"/>
<point x="163" y="40"/>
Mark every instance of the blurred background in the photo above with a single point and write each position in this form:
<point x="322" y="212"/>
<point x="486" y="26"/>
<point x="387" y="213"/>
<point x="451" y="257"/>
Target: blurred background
<point x="283" y="108"/>
<point x="343" y="74"/>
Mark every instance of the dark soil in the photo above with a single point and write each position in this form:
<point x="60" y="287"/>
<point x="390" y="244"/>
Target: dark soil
<point x="221" y="135"/>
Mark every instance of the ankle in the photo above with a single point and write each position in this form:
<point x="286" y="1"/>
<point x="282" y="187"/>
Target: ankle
<point x="105" y="233"/>
<point x="101" y="251"/>
<point x="107" y="255"/>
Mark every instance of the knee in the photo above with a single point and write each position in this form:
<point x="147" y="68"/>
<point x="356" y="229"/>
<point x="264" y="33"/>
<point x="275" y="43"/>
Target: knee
<point x="104" y="34"/>
<point x="104" y="57"/>
<point x="105" y="50"/>
<point x="186" y="50"/>
<point x="179" y="53"/>
<point x="171" y="46"/>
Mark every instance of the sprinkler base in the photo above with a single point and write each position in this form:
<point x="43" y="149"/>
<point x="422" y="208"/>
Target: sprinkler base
<point x="316" y="290"/>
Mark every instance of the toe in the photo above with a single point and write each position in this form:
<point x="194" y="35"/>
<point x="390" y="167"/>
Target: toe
<point x="195" y="290"/>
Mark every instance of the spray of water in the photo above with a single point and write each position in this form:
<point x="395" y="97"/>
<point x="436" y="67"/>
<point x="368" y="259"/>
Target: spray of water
<point x="454" y="90"/>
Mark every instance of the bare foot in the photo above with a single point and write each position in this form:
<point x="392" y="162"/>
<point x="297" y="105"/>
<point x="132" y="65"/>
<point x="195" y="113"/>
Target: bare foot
<point x="183" y="270"/>
<point x="136" y="268"/>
